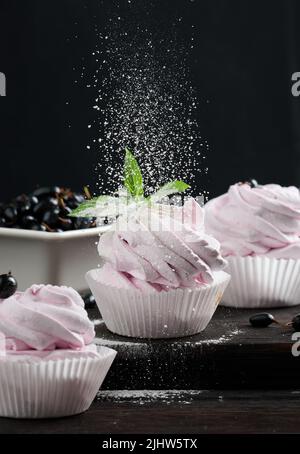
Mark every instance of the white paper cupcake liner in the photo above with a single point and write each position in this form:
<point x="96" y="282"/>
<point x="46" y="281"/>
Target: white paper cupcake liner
<point x="47" y="388"/>
<point x="262" y="282"/>
<point x="176" y="313"/>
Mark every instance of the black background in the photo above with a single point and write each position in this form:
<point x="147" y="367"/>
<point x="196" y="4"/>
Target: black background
<point x="242" y="62"/>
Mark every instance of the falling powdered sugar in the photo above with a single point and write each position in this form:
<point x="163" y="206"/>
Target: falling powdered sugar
<point x="143" y="99"/>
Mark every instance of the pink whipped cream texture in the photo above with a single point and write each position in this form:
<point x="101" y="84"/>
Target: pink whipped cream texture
<point x="263" y="220"/>
<point x="160" y="248"/>
<point x="44" y="318"/>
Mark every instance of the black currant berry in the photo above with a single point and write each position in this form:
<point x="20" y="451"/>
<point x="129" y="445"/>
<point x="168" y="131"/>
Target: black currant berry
<point x="65" y="223"/>
<point x="65" y="211"/>
<point x="253" y="183"/>
<point x="2" y="222"/>
<point x="261" y="320"/>
<point x="50" y="191"/>
<point x="22" y="203"/>
<point x="89" y="301"/>
<point x="51" y="217"/>
<point x="33" y="201"/>
<point x="43" y="206"/>
<point x="8" y="285"/>
<point x="10" y="213"/>
<point x="38" y="227"/>
<point x="45" y="209"/>
<point x="74" y="200"/>
<point x="82" y="223"/>
<point x="30" y="223"/>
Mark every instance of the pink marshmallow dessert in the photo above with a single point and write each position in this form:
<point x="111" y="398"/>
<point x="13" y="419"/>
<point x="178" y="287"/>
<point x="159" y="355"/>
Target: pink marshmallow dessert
<point x="162" y="274"/>
<point x="49" y="366"/>
<point x="258" y="227"/>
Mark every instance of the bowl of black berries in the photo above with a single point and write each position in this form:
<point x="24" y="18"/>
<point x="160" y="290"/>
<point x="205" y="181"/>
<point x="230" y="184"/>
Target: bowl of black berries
<point x="42" y="243"/>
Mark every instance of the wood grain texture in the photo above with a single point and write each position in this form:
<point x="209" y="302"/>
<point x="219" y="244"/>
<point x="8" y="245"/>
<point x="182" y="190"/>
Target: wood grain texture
<point x="209" y="412"/>
<point x="228" y="354"/>
<point x="252" y="378"/>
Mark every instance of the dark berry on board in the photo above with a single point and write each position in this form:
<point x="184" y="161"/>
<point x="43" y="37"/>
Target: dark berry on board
<point x="8" y="285"/>
<point x="261" y="320"/>
<point x="89" y="301"/>
<point x="296" y="322"/>
<point x="10" y="213"/>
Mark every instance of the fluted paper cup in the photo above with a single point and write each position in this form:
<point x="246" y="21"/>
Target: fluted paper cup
<point x="174" y="313"/>
<point x="258" y="282"/>
<point x="33" y="387"/>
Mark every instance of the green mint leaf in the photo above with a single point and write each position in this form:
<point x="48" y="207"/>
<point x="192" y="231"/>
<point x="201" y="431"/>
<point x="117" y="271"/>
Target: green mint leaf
<point x="90" y="207"/>
<point x="133" y="179"/>
<point x="173" y="187"/>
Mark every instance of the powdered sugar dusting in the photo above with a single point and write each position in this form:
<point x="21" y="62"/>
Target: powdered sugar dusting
<point x="221" y="340"/>
<point x="117" y="343"/>
<point x="141" y="397"/>
<point x="144" y="99"/>
<point x="129" y="343"/>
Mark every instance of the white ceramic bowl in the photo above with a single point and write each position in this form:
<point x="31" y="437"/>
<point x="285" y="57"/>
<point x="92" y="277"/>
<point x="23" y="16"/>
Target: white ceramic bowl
<point x="49" y="258"/>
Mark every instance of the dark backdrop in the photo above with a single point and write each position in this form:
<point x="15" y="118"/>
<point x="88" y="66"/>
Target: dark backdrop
<point x="242" y="63"/>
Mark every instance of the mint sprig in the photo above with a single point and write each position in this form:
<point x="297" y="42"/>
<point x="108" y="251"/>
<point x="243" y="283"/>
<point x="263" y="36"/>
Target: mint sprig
<point x="133" y="178"/>
<point x="88" y="207"/>
<point x="129" y="197"/>
<point x="173" y="187"/>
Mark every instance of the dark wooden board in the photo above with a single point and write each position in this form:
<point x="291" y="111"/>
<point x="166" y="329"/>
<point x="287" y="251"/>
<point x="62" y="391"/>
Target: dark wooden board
<point x="229" y="354"/>
<point x="202" y="412"/>
<point x="159" y="386"/>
